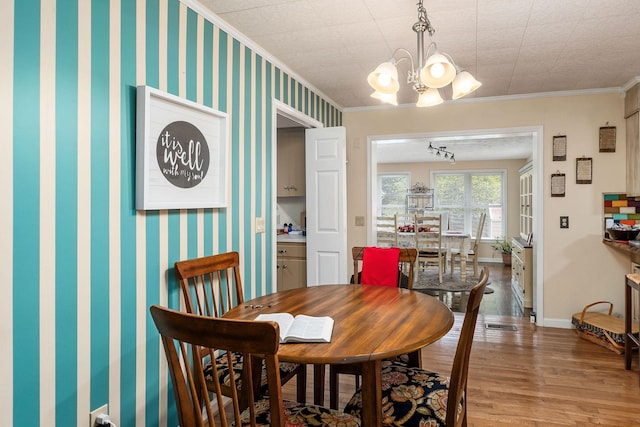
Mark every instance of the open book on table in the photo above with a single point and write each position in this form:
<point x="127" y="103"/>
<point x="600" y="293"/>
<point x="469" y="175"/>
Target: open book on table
<point x="301" y="328"/>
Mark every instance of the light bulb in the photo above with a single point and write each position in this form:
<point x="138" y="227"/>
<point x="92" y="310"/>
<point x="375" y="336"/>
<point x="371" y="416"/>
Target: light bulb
<point x="384" y="79"/>
<point x="437" y="70"/>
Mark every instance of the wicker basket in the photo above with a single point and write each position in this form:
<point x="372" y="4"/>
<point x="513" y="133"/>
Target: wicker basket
<point x="601" y="328"/>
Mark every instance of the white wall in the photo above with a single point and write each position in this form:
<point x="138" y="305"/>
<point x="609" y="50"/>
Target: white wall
<point x="578" y="268"/>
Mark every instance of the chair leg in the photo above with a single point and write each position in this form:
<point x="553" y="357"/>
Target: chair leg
<point x="318" y="384"/>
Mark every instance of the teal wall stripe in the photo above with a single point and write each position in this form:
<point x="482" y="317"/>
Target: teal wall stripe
<point x="192" y="55"/>
<point x="207" y="65"/>
<point x="66" y="212"/>
<point x="152" y="357"/>
<point x="207" y="98"/>
<point x="268" y="114"/>
<point x="99" y="203"/>
<point x="223" y="81"/>
<point x="250" y="189"/>
<point x="26" y="209"/>
<point x="173" y="23"/>
<point x="152" y="61"/>
<point x="129" y="245"/>
<point x="277" y="84"/>
<point x="285" y="92"/>
<point x="259" y="154"/>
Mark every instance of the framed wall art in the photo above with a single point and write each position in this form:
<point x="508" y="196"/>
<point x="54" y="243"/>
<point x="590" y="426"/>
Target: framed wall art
<point x="559" y="148"/>
<point x="607" y="139"/>
<point x="558" y="184"/>
<point x="584" y="170"/>
<point x="181" y="153"/>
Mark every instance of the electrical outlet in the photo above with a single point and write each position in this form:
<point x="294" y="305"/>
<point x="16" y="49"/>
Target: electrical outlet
<point x="564" y="222"/>
<point x="93" y="415"/>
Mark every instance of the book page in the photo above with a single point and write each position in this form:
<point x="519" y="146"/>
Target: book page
<point x="310" y="329"/>
<point x="284" y="321"/>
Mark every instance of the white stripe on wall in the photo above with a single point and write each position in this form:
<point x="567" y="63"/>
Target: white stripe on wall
<point x="215" y="88"/>
<point x="200" y="100"/>
<point x="47" y="286"/>
<point x="182" y="93"/>
<point x="230" y="207"/>
<point x="252" y="183"/>
<point x="115" y="244"/>
<point x="6" y="214"/>
<point x="244" y="253"/>
<point x="83" y="227"/>
<point x="263" y="180"/>
<point x="141" y="237"/>
<point x="163" y="219"/>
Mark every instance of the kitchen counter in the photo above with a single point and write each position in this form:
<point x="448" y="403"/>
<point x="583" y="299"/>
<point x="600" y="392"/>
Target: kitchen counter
<point x="291" y="238"/>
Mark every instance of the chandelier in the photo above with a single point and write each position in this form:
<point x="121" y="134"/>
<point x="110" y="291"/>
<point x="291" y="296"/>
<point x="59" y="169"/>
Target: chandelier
<point x="434" y="71"/>
<point x="442" y="151"/>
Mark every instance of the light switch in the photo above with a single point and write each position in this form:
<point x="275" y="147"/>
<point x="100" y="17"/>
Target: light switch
<point x="360" y="221"/>
<point x="260" y="224"/>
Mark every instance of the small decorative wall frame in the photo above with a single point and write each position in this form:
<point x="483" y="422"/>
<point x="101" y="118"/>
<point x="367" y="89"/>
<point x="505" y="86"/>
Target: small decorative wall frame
<point x="181" y="153"/>
<point x="558" y="184"/>
<point x="608" y="139"/>
<point x="559" y="148"/>
<point x="584" y="170"/>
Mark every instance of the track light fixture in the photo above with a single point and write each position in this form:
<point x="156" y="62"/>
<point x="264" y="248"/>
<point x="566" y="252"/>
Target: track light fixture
<point x="434" y="71"/>
<point x="442" y="152"/>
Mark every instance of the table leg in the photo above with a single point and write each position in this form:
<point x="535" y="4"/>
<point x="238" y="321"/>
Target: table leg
<point x="318" y="384"/>
<point x="372" y="393"/>
<point x="627" y="325"/>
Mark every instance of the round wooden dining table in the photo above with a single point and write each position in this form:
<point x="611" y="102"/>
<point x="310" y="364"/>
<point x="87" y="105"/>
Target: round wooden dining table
<point x="372" y="323"/>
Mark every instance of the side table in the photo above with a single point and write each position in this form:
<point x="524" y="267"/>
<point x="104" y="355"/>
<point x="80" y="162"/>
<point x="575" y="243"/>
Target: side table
<point x="632" y="281"/>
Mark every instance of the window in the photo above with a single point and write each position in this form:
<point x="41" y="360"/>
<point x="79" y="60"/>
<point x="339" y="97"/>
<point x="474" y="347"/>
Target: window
<point x="465" y="195"/>
<point x="392" y="189"/>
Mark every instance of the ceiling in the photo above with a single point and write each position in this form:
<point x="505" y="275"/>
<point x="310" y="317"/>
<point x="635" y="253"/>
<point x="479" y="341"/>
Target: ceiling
<point x="514" y="47"/>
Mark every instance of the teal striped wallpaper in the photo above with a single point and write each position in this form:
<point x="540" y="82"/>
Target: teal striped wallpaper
<point x="80" y="266"/>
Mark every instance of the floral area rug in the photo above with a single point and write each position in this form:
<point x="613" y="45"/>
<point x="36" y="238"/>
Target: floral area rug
<point x="428" y="281"/>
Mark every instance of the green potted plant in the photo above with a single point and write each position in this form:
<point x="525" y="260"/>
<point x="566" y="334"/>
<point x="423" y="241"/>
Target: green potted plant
<point x="503" y="246"/>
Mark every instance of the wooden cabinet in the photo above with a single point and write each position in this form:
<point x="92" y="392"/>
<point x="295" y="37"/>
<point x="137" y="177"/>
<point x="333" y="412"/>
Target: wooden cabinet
<point x="526" y="200"/>
<point x="291" y="265"/>
<point x="522" y="272"/>
<point x="632" y="122"/>
<point x="291" y="162"/>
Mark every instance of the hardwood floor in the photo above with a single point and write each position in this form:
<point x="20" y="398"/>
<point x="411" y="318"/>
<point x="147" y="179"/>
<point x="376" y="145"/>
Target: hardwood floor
<point x="533" y="376"/>
<point x="500" y="302"/>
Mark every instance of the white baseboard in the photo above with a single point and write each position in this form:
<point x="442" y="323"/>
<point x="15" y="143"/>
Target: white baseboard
<point x="558" y="323"/>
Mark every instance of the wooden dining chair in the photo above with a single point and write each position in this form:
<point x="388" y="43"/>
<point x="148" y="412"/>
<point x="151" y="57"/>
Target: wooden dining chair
<point x="223" y="339"/>
<point x="211" y="286"/>
<point x="442" y="400"/>
<point x="406" y="262"/>
<point x="472" y="253"/>
<point x="429" y="243"/>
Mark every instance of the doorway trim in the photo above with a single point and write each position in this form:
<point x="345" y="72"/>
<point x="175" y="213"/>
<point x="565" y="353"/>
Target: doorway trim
<point x="538" y="200"/>
<point x="279" y="108"/>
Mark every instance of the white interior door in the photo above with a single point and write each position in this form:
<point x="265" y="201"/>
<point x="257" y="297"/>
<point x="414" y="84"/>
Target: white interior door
<point x="326" y="173"/>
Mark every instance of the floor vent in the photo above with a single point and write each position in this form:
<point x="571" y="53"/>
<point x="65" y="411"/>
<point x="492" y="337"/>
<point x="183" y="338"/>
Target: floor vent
<point x="501" y="327"/>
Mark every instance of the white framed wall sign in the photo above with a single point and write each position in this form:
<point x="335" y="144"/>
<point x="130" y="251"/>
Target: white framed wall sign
<point x="182" y="153"/>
